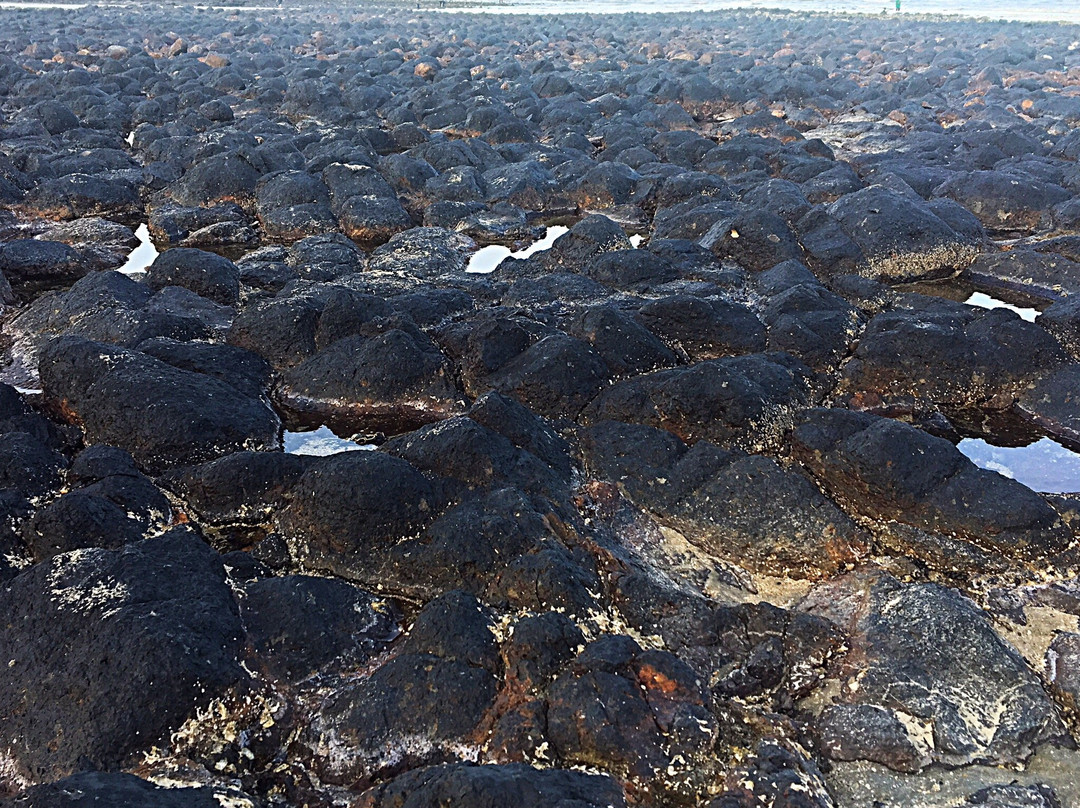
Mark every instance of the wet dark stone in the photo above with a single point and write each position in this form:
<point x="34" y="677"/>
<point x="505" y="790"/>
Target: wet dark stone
<point x="630" y="269"/>
<point x="869" y="732"/>
<point x="389" y="383"/>
<point x="32" y="266"/>
<point x="980" y="358"/>
<point x="240" y="492"/>
<point x="901" y="238"/>
<point x="28" y="465"/>
<point x="625" y="345"/>
<point x="220" y="178"/>
<point x="1063" y="321"/>
<point x="702" y="328"/>
<point x="749" y="510"/>
<point x="204" y="273"/>
<point x="931" y="654"/>
<point x="413" y="710"/>
<point x="555" y="377"/>
<point x="810" y="322"/>
<point x="346" y="506"/>
<point x="476" y="457"/>
<point x="640" y="715"/>
<point x="887" y="470"/>
<point x="755" y="239"/>
<point x="1003" y="201"/>
<point x="116" y="789"/>
<point x="745" y="401"/>
<point x="459" y="785"/>
<point x="110" y="650"/>
<point x="829" y="249"/>
<point x="187" y="418"/>
<point x="247" y="372"/>
<point x="297" y="625"/>
<point x="1051" y="403"/>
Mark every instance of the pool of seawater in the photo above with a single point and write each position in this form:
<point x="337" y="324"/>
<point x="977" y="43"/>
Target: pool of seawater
<point x="143" y="255"/>
<point x="486" y="259"/>
<point x="1044" y="465"/>
<point x="985" y="301"/>
<point x="321" y="442"/>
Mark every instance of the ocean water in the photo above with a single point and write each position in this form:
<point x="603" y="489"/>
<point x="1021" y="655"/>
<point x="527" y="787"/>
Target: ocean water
<point x="1017" y="10"/>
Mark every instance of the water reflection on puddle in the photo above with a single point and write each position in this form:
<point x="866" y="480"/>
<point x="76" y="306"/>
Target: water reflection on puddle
<point x="1044" y="466"/>
<point x="486" y="259"/>
<point x="143" y="255"/>
<point x="321" y="442"/>
<point x="985" y="301"/>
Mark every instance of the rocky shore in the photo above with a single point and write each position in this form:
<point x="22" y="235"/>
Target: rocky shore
<point x="673" y="509"/>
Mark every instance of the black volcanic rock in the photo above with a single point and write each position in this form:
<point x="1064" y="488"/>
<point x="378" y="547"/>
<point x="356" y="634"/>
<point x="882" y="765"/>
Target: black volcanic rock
<point x="110" y="650"/>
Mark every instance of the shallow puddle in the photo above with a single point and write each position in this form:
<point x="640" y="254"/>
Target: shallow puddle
<point x="321" y="442"/>
<point x="1044" y="465"/>
<point x="486" y="259"/>
<point x="142" y="256"/>
<point x="985" y="301"/>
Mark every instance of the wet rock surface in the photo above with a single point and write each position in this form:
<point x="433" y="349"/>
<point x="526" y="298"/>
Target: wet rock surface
<point x="639" y="356"/>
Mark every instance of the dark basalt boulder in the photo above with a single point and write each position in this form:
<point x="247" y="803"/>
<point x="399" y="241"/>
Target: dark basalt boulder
<point x="929" y="659"/>
<point x="1034" y="274"/>
<point x="755" y="239"/>
<point x="776" y="774"/>
<point x="389" y="383"/>
<point x="101" y="789"/>
<point x="624" y="344"/>
<point x="172" y="225"/>
<point x="523" y="428"/>
<point x="980" y="358"/>
<point x="460" y="785"/>
<point x="204" y="273"/>
<point x="1004" y="201"/>
<point x="901" y="238"/>
<point x="420" y="707"/>
<point x="476" y="457"/>
<point x="1051" y="404"/>
<point x="348" y="506"/>
<point x="887" y="470"/>
<point x="244" y="370"/>
<point x="186" y="418"/>
<point x="75" y="196"/>
<point x="829" y="249"/>
<point x="110" y="650"/>
<point x="809" y="322"/>
<point x="237" y="496"/>
<point x="640" y="715"/>
<point x="422" y="253"/>
<point x="292" y="205"/>
<point x="297" y="625"/>
<point x="555" y="377"/>
<point x="703" y="328"/>
<point x="1063" y="321"/>
<point x="635" y="270"/>
<point x="744" y="402"/>
<point x="746" y="509"/>
<point x="372" y="220"/>
<point x="217" y="179"/>
<point x="32" y="266"/>
<point x="29" y="465"/>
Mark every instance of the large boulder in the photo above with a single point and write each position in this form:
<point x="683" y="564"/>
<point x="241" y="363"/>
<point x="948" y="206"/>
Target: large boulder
<point x="900" y="237"/>
<point x="108" y="651"/>
<point x="459" y="785"/>
<point x="891" y="472"/>
<point x="743" y="401"/>
<point x="184" y="417"/>
<point x="933" y="682"/>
